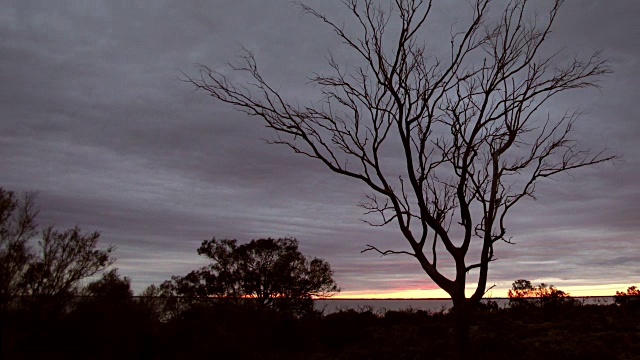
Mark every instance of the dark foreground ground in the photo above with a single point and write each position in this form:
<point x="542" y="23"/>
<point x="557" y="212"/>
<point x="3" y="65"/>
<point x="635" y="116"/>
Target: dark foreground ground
<point x="135" y="331"/>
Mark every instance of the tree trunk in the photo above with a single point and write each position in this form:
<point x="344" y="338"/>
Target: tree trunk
<point x="461" y="314"/>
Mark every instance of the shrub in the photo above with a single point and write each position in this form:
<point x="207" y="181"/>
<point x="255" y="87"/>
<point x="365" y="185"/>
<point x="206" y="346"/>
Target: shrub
<point x="523" y="293"/>
<point x="630" y="299"/>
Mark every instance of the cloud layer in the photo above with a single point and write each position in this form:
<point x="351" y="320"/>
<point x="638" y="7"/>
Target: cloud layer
<point x="95" y="118"/>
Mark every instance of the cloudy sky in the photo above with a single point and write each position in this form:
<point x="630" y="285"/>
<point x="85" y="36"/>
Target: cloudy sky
<point x="94" y="117"/>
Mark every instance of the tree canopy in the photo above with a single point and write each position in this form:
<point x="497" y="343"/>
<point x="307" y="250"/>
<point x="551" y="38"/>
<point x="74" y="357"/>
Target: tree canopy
<point x="272" y="271"/>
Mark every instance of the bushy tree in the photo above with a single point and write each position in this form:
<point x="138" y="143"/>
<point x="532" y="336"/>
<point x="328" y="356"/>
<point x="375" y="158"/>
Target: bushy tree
<point x="110" y="286"/>
<point x="271" y="271"/>
<point x="106" y="298"/>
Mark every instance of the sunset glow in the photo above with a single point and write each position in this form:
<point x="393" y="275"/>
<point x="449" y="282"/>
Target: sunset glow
<point x="393" y="294"/>
<point x="498" y="292"/>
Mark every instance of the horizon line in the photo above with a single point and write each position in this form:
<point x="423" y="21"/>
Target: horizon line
<point x="487" y="298"/>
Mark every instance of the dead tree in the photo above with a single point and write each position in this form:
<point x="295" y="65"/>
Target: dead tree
<point x="471" y="127"/>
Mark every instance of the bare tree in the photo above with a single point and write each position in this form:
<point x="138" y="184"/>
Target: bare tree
<point x="471" y="126"/>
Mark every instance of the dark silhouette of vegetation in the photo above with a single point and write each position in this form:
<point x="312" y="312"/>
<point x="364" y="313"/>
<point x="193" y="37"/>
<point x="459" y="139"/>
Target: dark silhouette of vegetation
<point x="544" y="299"/>
<point x="523" y="293"/>
<point x="64" y="258"/>
<point x="103" y="320"/>
<point x="102" y="329"/>
<point x="630" y="299"/>
<point x="45" y="312"/>
<point x="273" y="272"/>
<point x="231" y="309"/>
<point x="110" y="287"/>
<point x="467" y="125"/>
<point x="163" y="302"/>
<point x="45" y="276"/>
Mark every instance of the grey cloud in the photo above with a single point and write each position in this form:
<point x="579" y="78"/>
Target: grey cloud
<point x="94" y="117"/>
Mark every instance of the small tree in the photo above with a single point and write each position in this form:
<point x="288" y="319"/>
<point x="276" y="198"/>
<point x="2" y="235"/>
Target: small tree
<point x="271" y="271"/>
<point x="109" y="296"/>
<point x="110" y="287"/>
<point x="464" y="130"/>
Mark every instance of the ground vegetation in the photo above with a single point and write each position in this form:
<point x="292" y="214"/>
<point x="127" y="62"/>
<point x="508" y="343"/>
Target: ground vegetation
<point x="130" y="328"/>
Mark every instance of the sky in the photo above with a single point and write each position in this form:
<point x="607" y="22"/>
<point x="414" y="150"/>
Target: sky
<point x="94" y="116"/>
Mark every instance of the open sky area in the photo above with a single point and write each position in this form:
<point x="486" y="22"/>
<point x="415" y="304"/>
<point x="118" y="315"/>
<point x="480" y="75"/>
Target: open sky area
<point x="94" y="117"/>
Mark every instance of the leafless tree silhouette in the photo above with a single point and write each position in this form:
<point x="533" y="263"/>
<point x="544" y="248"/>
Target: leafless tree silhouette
<point x="471" y="127"/>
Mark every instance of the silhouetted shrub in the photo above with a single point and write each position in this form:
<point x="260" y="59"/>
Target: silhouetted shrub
<point x="348" y="327"/>
<point x="630" y="300"/>
<point x="524" y="294"/>
<point x="220" y="330"/>
<point x="488" y="306"/>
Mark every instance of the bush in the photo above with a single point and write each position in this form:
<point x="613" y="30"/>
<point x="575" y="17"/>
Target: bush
<point x="524" y="294"/>
<point x="629" y="300"/>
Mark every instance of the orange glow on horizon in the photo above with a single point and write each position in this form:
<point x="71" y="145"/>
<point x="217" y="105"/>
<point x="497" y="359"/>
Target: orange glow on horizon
<point x="497" y="292"/>
<point x="393" y="294"/>
<point x="594" y="290"/>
